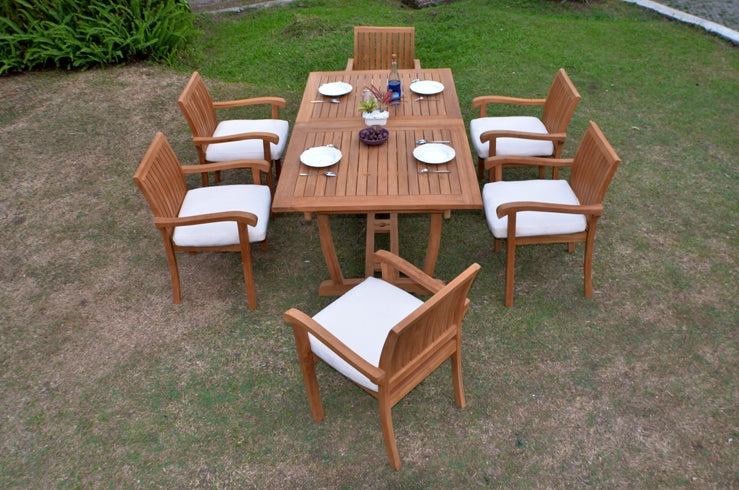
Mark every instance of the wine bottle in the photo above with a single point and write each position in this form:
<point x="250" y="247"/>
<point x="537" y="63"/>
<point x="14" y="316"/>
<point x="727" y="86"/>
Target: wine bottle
<point x="393" y="80"/>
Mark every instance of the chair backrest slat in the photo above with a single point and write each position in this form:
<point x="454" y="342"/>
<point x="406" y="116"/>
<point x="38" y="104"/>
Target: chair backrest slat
<point x="160" y="179"/>
<point x="594" y="164"/>
<point x="197" y="106"/>
<point x="561" y="102"/>
<point x="429" y="324"/>
<point x="374" y="47"/>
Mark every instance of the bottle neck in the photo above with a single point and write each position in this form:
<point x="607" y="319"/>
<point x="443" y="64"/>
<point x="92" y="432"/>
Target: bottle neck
<point x="394" y="75"/>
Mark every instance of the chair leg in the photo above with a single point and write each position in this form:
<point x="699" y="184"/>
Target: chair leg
<point x="509" y="271"/>
<point x="251" y="294"/>
<point x="311" y="388"/>
<point x="173" y="270"/>
<point x="480" y="168"/>
<point x="386" y="418"/>
<point x="456" y="361"/>
<point x="307" y="367"/>
<point x="588" y="261"/>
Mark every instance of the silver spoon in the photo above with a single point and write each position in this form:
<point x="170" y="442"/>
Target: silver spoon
<point x="427" y="171"/>
<point x="333" y="101"/>
<point x="427" y="98"/>
<point x="327" y="174"/>
<point x="423" y="141"/>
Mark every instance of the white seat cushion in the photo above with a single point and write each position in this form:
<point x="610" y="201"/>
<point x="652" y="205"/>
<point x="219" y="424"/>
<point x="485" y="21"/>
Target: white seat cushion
<point x="531" y="223"/>
<point x="362" y="319"/>
<point x="245" y="197"/>
<point x="236" y="150"/>
<point x="511" y="146"/>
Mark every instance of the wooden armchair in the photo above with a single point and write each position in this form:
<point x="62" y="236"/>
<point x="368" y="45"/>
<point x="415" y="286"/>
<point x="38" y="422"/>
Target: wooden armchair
<point x="236" y="139"/>
<point x="385" y="339"/>
<point x="374" y="47"/>
<point x="219" y="218"/>
<point x="524" y="135"/>
<point x="552" y="211"/>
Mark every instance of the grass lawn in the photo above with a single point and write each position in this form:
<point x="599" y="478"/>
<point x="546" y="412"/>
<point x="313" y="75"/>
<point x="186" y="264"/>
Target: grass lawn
<point x="105" y="383"/>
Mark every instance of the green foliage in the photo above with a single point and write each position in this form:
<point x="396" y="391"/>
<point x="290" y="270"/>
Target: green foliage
<point x="38" y="34"/>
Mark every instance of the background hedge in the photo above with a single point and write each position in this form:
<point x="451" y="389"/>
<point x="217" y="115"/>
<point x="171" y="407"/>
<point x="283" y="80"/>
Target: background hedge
<point x="38" y="34"/>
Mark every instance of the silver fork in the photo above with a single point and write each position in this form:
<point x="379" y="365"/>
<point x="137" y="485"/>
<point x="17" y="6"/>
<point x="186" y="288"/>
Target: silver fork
<point x="427" y="171"/>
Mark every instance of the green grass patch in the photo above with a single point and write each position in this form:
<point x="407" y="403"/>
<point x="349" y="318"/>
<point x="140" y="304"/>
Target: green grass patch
<point x="106" y="383"/>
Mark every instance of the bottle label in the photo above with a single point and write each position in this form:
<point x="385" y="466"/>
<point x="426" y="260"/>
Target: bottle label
<point x="394" y="87"/>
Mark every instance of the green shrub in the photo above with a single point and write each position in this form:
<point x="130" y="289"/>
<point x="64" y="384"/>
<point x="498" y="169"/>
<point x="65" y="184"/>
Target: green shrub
<point x="38" y="34"/>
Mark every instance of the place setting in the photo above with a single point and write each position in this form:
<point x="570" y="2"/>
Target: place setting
<point x="426" y="88"/>
<point x="320" y="157"/>
<point x="333" y="90"/>
<point x="433" y="153"/>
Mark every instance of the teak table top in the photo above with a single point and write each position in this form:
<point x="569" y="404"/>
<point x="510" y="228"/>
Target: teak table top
<point x="381" y="178"/>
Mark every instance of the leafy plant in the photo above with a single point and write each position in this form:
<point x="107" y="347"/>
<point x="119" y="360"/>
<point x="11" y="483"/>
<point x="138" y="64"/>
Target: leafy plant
<point x="66" y="34"/>
<point x="379" y="101"/>
<point x="368" y="105"/>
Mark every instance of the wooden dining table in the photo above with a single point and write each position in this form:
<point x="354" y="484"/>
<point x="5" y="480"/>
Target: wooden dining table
<point x="377" y="181"/>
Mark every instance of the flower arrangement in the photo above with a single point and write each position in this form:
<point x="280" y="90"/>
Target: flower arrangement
<point x="377" y="101"/>
<point x="375" y="104"/>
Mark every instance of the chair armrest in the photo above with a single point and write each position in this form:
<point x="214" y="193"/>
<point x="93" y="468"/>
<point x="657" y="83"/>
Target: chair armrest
<point x="499" y="161"/>
<point x="275" y="102"/>
<point x="502" y="133"/>
<point x="258" y="165"/>
<point x="390" y="263"/>
<point x="207" y="140"/>
<point x="305" y="324"/>
<point x="278" y="101"/>
<point x="516" y="207"/>
<point x="199" y="219"/>
<point x="483" y="100"/>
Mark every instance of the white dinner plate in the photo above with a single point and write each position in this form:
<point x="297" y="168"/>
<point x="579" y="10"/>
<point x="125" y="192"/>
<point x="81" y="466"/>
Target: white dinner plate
<point x="434" y="153"/>
<point x="320" y="156"/>
<point x="427" y="87"/>
<point x="334" y="89"/>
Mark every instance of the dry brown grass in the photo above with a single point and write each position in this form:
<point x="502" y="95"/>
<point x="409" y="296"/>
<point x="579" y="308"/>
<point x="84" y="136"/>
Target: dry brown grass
<point x="106" y="383"/>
